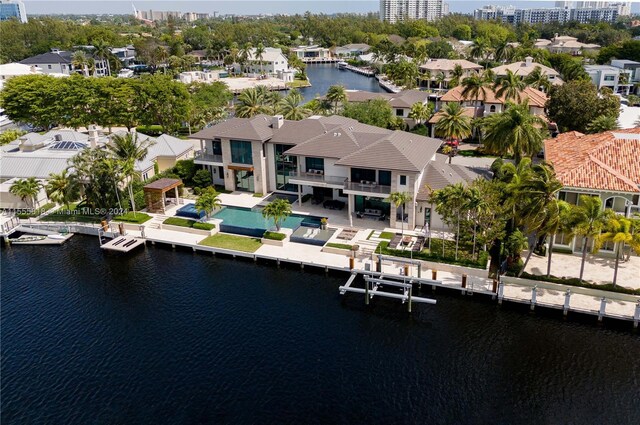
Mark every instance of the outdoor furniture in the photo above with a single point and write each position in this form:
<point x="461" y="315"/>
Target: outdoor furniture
<point x="406" y="240"/>
<point x="333" y="204"/>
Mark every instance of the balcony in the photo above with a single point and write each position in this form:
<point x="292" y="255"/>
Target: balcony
<point x="203" y="157"/>
<point x="366" y="189"/>
<point x="317" y="180"/>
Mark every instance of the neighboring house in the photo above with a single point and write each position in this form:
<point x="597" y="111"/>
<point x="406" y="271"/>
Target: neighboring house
<point x="629" y="66"/>
<point x="312" y="53"/>
<point x="604" y="165"/>
<point x="434" y="67"/>
<point x="10" y="201"/>
<point x="60" y="62"/>
<point x="351" y="50"/>
<point x="273" y="62"/>
<point x="490" y="103"/>
<point x="126" y="55"/>
<point x="9" y="70"/>
<point x="566" y="44"/>
<point x="400" y="103"/>
<point x="331" y="157"/>
<point x="162" y="154"/>
<point x="610" y="76"/>
<point x="189" y="77"/>
<point x="526" y="67"/>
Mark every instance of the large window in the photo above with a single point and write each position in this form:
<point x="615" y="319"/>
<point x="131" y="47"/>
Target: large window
<point x="285" y="165"/>
<point x="217" y="147"/>
<point x="384" y="178"/>
<point x="314" y="163"/>
<point x="241" y="152"/>
<point x="360" y="174"/>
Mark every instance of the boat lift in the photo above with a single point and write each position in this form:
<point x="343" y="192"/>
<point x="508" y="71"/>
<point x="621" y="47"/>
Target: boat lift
<point x="374" y="283"/>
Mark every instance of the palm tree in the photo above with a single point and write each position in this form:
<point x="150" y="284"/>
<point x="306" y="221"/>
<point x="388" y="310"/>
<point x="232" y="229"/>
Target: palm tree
<point x="456" y="76"/>
<point x="618" y="230"/>
<point x="589" y="220"/>
<point x="129" y="149"/>
<point x="399" y="199"/>
<point x="538" y="203"/>
<point x="278" y="210"/>
<point x="208" y="201"/>
<point x="290" y="107"/>
<point x="426" y="76"/>
<point x="245" y="52"/>
<point x="538" y="80"/>
<point x="62" y="188"/>
<point x="336" y="94"/>
<point x="26" y="189"/>
<point x="420" y="112"/>
<point x="603" y="123"/>
<point x="559" y="222"/>
<point x="516" y="131"/>
<point x="259" y="55"/>
<point x="440" y="79"/>
<point x="449" y="200"/>
<point x="251" y="102"/>
<point x="79" y="60"/>
<point x="101" y="51"/>
<point x="510" y="86"/>
<point x="480" y="48"/>
<point x="160" y="56"/>
<point x="474" y="87"/>
<point x="504" y="51"/>
<point x="453" y="123"/>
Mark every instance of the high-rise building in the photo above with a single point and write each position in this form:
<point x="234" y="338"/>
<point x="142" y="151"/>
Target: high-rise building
<point x="12" y="9"/>
<point x="592" y="11"/>
<point x="398" y="10"/>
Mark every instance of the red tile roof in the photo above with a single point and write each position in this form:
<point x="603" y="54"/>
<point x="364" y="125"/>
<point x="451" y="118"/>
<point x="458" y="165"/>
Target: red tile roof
<point x="605" y="161"/>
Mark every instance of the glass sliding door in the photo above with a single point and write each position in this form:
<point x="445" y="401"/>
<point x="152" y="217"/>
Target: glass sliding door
<point x="284" y="166"/>
<point x="244" y="181"/>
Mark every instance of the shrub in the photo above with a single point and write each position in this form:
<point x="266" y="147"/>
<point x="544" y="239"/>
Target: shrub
<point x="150" y="130"/>
<point x="481" y="262"/>
<point x="204" y="226"/>
<point x="574" y="281"/>
<point x="192" y="224"/>
<point x="258" y="195"/>
<point x="202" y="178"/>
<point x="276" y="236"/>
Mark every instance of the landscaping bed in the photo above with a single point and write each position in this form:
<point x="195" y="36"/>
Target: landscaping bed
<point x="75" y="214"/>
<point x="237" y="243"/>
<point x="183" y="222"/>
<point x="574" y="281"/>
<point x="464" y="257"/>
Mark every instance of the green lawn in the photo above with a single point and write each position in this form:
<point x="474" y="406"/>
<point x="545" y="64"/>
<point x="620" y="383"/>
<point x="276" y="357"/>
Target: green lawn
<point x="340" y="245"/>
<point x="238" y="243"/>
<point x="184" y="222"/>
<point x="38" y="211"/>
<point x="129" y="217"/>
<point x="298" y="83"/>
<point x="383" y="235"/>
<point x="74" y="215"/>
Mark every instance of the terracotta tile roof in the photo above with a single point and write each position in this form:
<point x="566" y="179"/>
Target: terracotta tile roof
<point x="536" y="97"/>
<point x="434" y="65"/>
<point x="467" y="110"/>
<point x="605" y="161"/>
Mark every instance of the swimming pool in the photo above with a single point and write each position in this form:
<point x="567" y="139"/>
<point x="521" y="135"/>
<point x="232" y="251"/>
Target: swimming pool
<point x="250" y="222"/>
<point x="190" y="211"/>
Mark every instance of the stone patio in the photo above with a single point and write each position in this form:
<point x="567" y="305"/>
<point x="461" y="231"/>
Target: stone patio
<point x="596" y="268"/>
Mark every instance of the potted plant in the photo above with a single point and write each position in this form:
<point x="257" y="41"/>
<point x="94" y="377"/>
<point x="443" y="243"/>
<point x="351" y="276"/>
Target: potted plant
<point x="323" y="223"/>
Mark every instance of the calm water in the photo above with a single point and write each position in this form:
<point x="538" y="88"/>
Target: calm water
<point x="165" y="336"/>
<point x="322" y="76"/>
<point x="246" y="217"/>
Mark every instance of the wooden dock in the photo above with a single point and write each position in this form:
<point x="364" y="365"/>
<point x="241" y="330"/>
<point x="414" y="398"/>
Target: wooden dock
<point x="125" y="243"/>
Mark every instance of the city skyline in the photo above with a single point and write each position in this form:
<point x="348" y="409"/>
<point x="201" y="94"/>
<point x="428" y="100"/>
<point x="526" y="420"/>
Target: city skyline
<point x="254" y="7"/>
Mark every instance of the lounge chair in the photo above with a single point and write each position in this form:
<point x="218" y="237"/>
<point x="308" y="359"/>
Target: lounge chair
<point x="308" y="233"/>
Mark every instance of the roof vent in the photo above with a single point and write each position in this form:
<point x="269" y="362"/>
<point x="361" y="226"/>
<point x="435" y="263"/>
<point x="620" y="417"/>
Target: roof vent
<point x="57" y="137"/>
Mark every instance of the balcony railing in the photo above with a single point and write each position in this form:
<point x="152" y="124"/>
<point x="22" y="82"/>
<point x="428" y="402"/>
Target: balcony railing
<point x="366" y="187"/>
<point x="314" y="179"/>
<point x="205" y="156"/>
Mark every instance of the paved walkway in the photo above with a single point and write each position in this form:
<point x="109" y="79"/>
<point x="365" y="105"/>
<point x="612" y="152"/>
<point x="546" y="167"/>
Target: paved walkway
<point x="597" y="268"/>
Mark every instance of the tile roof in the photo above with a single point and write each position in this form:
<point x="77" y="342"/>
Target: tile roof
<point x="407" y="98"/>
<point x="524" y="68"/>
<point x="448" y="64"/>
<point x="467" y="110"/>
<point x="439" y="174"/>
<point x="535" y="97"/>
<point x="257" y="128"/>
<point x="607" y="161"/>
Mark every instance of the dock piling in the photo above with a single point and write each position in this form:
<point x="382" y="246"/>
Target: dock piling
<point x="603" y="307"/>
<point x="636" y="316"/>
<point x="567" y="301"/>
<point x="534" y="294"/>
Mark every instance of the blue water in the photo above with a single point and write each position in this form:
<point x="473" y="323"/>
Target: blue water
<point x="322" y="76"/>
<point x="167" y="336"/>
<point x="190" y="211"/>
<point x="253" y="219"/>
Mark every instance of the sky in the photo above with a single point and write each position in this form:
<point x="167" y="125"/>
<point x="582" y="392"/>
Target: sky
<point x="248" y="7"/>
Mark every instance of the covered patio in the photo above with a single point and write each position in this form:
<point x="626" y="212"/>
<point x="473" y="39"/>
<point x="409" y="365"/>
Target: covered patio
<point x="155" y="194"/>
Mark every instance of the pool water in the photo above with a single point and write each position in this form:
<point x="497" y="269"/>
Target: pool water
<point x="250" y="222"/>
<point x="190" y="211"/>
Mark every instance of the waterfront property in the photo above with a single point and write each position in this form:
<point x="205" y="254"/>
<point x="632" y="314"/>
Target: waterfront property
<point x="619" y="80"/>
<point x="351" y="50"/>
<point x="340" y="163"/>
<point x="566" y="44"/>
<point x="61" y="62"/>
<point x="631" y="67"/>
<point x="271" y="62"/>
<point x="606" y="165"/>
<point x="313" y="54"/>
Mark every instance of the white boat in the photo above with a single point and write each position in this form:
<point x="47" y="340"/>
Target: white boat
<point x="40" y="239"/>
<point x="125" y="73"/>
<point x="342" y="65"/>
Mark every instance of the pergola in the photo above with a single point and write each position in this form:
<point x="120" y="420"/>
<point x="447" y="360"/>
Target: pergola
<point x="154" y="193"/>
